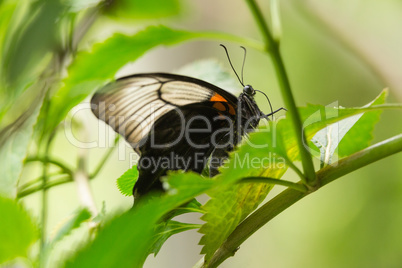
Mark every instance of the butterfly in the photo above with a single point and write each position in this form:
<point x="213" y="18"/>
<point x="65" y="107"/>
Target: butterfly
<point x="176" y="122"/>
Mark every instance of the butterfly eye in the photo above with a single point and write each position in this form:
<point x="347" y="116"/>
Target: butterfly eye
<point x="249" y="90"/>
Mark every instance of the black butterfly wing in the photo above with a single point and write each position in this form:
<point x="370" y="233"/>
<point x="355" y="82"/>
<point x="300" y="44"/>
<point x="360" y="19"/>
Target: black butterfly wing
<point x="131" y="105"/>
<point x="172" y="145"/>
<point x="154" y="111"/>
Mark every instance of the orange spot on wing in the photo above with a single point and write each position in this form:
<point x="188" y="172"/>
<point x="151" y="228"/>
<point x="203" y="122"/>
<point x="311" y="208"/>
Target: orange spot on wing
<point x="217" y="97"/>
<point x="231" y="110"/>
<point x="219" y="106"/>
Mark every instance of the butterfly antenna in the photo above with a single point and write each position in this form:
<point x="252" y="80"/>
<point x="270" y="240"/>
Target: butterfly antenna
<point x="272" y="110"/>
<point x="231" y="65"/>
<point x="242" y="66"/>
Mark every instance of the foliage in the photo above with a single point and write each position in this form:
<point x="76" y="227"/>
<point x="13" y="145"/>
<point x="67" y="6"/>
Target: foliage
<point x="70" y="224"/>
<point x="17" y="230"/>
<point x="126" y="182"/>
<point x="49" y="66"/>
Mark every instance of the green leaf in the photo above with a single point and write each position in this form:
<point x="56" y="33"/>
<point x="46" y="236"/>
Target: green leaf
<point x="167" y="229"/>
<point x="351" y="134"/>
<point x="14" y="142"/>
<point x="16" y="96"/>
<point x="126" y="181"/>
<point x="123" y="242"/>
<point x="229" y="203"/>
<point x="101" y="215"/>
<point x="315" y="118"/>
<point x="182" y="183"/>
<point x="361" y="134"/>
<point x="7" y="9"/>
<point x="17" y="230"/>
<point x="139" y="9"/>
<point x="131" y="235"/>
<point x="192" y="206"/>
<point x="227" y="207"/>
<point x="33" y="40"/>
<point x="73" y="222"/>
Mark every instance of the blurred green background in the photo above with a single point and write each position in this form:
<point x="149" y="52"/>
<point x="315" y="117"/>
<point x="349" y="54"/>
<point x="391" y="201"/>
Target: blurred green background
<point x="335" y="51"/>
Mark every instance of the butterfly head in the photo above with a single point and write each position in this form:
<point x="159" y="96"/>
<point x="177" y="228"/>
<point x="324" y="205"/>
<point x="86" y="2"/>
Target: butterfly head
<point x="249" y="91"/>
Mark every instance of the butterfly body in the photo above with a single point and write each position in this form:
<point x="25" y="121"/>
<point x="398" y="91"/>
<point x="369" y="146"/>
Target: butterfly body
<point x="175" y="122"/>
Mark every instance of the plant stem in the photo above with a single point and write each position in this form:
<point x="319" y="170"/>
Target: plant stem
<point x="42" y="255"/>
<point x="43" y="216"/>
<point x="272" y="48"/>
<point x="296" y="186"/>
<point x="384" y="106"/>
<point x="25" y="190"/>
<point x="254" y="222"/>
<point x="290" y="104"/>
<point x="290" y="196"/>
<point x="49" y="185"/>
<point x="48" y="160"/>
<point x="37" y="180"/>
<point x="262" y="25"/>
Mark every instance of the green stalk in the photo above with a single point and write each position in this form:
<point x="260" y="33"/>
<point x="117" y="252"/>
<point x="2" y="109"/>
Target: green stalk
<point x="43" y="218"/>
<point x="26" y="189"/>
<point x="48" y="185"/>
<point x="37" y="180"/>
<point x="296" y="186"/>
<point x="48" y="160"/>
<point x="42" y="254"/>
<point x="272" y="48"/>
<point x="290" y="196"/>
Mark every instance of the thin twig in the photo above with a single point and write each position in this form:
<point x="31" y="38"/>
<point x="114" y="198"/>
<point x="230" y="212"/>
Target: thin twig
<point x="272" y="48"/>
<point x="44" y="213"/>
<point x="37" y="180"/>
<point x="296" y="186"/>
<point x="52" y="161"/>
<point x="27" y="188"/>
<point x="49" y="185"/>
